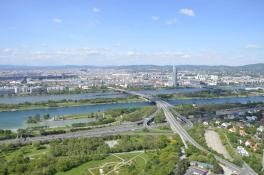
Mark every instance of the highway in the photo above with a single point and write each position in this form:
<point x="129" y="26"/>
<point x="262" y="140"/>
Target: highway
<point x="118" y="129"/>
<point x="105" y="131"/>
<point x="177" y="128"/>
<point x="180" y="117"/>
<point x="147" y="120"/>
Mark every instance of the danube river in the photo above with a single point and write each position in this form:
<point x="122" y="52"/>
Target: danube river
<point x="41" y="98"/>
<point x="16" y="119"/>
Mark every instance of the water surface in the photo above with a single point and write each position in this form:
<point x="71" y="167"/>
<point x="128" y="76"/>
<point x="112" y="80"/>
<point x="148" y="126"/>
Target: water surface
<point x="17" y="119"/>
<point x="44" y="98"/>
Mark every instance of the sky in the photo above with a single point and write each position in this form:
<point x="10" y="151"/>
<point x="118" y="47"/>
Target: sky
<point x="131" y="32"/>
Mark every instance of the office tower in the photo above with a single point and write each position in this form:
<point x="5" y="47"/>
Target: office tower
<point x="175" y="77"/>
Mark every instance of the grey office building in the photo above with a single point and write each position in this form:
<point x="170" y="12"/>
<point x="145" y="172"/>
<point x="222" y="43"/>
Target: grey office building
<point x="175" y="77"/>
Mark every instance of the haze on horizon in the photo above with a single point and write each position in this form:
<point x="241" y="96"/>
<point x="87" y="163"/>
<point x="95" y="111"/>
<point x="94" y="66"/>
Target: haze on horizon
<point x="131" y="32"/>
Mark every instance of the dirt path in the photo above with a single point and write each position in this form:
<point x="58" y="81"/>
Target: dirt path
<point x="213" y="141"/>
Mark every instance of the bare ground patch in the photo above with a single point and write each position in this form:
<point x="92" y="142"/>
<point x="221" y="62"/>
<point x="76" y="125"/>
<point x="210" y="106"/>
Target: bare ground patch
<point x="213" y="141"/>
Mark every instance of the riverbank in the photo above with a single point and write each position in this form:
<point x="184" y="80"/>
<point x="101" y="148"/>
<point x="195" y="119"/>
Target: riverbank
<point x="221" y="97"/>
<point x="209" y="94"/>
<point x="16" y="119"/>
<point x="67" y="103"/>
<point x="64" y="92"/>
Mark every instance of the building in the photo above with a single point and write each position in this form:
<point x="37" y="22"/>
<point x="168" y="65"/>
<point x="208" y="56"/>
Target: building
<point x="37" y="90"/>
<point x="174" y="77"/>
<point x="196" y="170"/>
<point x="7" y="91"/>
<point x="248" y="143"/>
<point x="55" y="89"/>
<point x="242" y="151"/>
<point x="201" y="165"/>
<point x="260" y="129"/>
<point x="233" y="129"/>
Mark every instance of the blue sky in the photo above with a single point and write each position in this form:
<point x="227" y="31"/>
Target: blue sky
<point x="122" y="32"/>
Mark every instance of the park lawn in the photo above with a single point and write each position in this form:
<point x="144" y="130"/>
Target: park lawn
<point x="139" y="164"/>
<point x="27" y="151"/>
<point x="128" y="155"/>
<point x="34" y="153"/>
<point x="76" y="116"/>
<point x="84" y="168"/>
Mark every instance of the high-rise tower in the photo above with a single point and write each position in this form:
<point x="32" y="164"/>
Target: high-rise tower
<point x="175" y="77"/>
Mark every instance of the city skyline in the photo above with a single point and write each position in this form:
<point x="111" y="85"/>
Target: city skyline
<point x="150" y="87"/>
<point x="174" y="32"/>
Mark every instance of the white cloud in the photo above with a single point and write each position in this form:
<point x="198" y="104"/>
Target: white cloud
<point x="171" y="21"/>
<point x="187" y="12"/>
<point x="96" y="10"/>
<point x="6" y="50"/>
<point x="133" y="53"/>
<point x="155" y="18"/>
<point x="170" y="54"/>
<point x="124" y="56"/>
<point x="94" y="22"/>
<point x="252" y="46"/>
<point x="57" y="20"/>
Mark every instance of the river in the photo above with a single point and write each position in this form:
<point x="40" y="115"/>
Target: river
<point x="16" y="119"/>
<point x="43" y="98"/>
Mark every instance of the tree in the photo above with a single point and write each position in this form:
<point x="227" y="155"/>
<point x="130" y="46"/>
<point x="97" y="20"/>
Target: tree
<point x="21" y="132"/>
<point x="182" y="166"/>
<point x="37" y="118"/>
<point x="46" y="116"/>
<point x="36" y="145"/>
<point x="217" y="168"/>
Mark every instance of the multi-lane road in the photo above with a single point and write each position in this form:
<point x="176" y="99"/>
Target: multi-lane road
<point x="177" y="128"/>
<point x="110" y="130"/>
<point x="113" y="130"/>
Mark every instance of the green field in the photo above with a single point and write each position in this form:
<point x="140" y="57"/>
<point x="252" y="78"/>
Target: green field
<point x="27" y="151"/>
<point x="112" y="164"/>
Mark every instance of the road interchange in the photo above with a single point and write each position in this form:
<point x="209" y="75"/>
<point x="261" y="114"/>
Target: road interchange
<point x="118" y="129"/>
<point x="177" y="128"/>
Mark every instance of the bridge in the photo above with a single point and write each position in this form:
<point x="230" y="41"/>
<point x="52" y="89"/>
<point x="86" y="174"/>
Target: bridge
<point x="177" y="128"/>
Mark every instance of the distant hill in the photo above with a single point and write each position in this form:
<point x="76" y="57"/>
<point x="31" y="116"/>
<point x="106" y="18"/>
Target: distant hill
<point x="251" y="68"/>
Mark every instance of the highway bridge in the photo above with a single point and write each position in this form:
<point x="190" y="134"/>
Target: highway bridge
<point x="113" y="130"/>
<point x="177" y="128"/>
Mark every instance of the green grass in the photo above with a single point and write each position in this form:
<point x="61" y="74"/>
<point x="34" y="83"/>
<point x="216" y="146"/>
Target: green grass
<point x="91" y="164"/>
<point x="139" y="164"/>
<point x="27" y="151"/>
<point x="149" y="131"/>
<point x="34" y="153"/>
<point x="76" y="116"/>
<point x="84" y="168"/>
